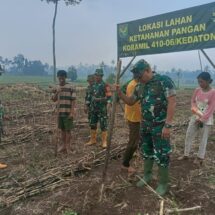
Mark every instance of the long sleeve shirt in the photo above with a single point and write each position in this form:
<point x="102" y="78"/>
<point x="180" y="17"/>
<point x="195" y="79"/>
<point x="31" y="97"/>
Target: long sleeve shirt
<point x="205" y="103"/>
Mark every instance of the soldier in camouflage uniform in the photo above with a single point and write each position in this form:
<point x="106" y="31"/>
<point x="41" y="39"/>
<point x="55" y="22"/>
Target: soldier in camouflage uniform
<point x="90" y="80"/>
<point x="156" y="94"/>
<point x="99" y="97"/>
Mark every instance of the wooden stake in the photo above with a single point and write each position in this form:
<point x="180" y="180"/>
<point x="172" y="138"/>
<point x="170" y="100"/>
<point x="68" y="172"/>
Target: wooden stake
<point x="111" y="123"/>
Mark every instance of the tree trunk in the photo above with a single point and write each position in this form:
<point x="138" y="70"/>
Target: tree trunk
<point x="53" y="44"/>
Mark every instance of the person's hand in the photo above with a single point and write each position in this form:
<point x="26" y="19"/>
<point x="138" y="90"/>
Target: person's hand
<point x="52" y="88"/>
<point x="165" y="133"/>
<point x="72" y="114"/>
<point x="199" y="123"/>
<point x="117" y="88"/>
<point x="196" y="111"/>
<point x="58" y="90"/>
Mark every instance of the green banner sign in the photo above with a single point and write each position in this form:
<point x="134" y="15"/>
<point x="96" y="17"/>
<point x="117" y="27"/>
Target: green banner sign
<point x="188" y="29"/>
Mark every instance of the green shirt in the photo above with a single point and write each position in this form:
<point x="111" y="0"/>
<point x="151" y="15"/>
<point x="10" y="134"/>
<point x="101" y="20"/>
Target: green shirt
<point x="98" y="90"/>
<point x="153" y="97"/>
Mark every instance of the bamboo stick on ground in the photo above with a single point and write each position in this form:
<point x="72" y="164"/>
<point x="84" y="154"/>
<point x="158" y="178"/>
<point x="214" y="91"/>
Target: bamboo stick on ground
<point x="161" y="207"/>
<point x="176" y="210"/>
<point x="55" y="177"/>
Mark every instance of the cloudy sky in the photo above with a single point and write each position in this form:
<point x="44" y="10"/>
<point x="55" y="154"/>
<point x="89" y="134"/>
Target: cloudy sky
<point x="85" y="33"/>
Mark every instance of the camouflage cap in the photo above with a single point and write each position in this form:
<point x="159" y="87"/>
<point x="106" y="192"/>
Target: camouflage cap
<point x="99" y="72"/>
<point x="139" y="67"/>
<point x="90" y="77"/>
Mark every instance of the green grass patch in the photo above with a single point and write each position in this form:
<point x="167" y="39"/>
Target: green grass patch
<point x="41" y="81"/>
<point x="14" y="79"/>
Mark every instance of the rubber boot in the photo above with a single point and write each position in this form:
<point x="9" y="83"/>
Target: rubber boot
<point x="163" y="186"/>
<point x="148" y="164"/>
<point x="93" y="135"/>
<point x="2" y="166"/>
<point x="104" y="139"/>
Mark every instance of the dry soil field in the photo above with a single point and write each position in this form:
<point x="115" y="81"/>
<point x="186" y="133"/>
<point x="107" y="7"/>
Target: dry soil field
<point x="40" y="182"/>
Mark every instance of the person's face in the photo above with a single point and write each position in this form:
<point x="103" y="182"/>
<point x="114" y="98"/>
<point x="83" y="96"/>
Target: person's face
<point x="62" y="80"/>
<point x="90" y="81"/>
<point x="203" y="84"/>
<point x="146" y="76"/>
<point x="98" y="78"/>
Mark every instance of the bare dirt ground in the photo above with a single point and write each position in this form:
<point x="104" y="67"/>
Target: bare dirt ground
<point x="39" y="182"/>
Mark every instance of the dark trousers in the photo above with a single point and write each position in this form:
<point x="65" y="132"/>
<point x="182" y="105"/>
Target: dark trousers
<point x="134" y="136"/>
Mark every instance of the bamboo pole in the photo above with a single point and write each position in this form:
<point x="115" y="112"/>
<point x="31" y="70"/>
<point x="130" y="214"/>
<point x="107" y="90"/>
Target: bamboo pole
<point x="177" y="210"/>
<point x="112" y="119"/>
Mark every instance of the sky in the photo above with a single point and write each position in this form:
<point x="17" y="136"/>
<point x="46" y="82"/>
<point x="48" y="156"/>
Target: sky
<point x="86" y="33"/>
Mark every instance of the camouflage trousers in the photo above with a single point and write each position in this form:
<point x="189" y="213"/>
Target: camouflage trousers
<point x="98" y="116"/>
<point x="152" y="146"/>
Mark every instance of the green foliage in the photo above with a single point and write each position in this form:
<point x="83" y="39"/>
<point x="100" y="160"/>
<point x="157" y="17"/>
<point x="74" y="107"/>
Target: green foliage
<point x="72" y="73"/>
<point x="20" y="65"/>
<point x="111" y="78"/>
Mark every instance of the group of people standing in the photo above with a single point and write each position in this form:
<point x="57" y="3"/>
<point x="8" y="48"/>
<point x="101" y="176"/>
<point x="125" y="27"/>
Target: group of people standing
<point x="156" y="96"/>
<point x="150" y="100"/>
<point x="98" y="100"/>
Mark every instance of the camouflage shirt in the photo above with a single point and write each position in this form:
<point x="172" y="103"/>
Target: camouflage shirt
<point x="87" y="96"/>
<point x="98" y="90"/>
<point x="153" y="97"/>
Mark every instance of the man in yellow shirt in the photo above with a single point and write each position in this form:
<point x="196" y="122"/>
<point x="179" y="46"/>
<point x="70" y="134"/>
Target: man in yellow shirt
<point x="133" y="117"/>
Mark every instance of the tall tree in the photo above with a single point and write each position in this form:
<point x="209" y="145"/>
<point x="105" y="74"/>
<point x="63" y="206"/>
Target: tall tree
<point x="19" y="62"/>
<point x="67" y="2"/>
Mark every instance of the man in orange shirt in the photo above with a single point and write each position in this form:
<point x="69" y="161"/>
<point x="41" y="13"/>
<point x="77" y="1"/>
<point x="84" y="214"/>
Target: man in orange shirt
<point x="133" y="117"/>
